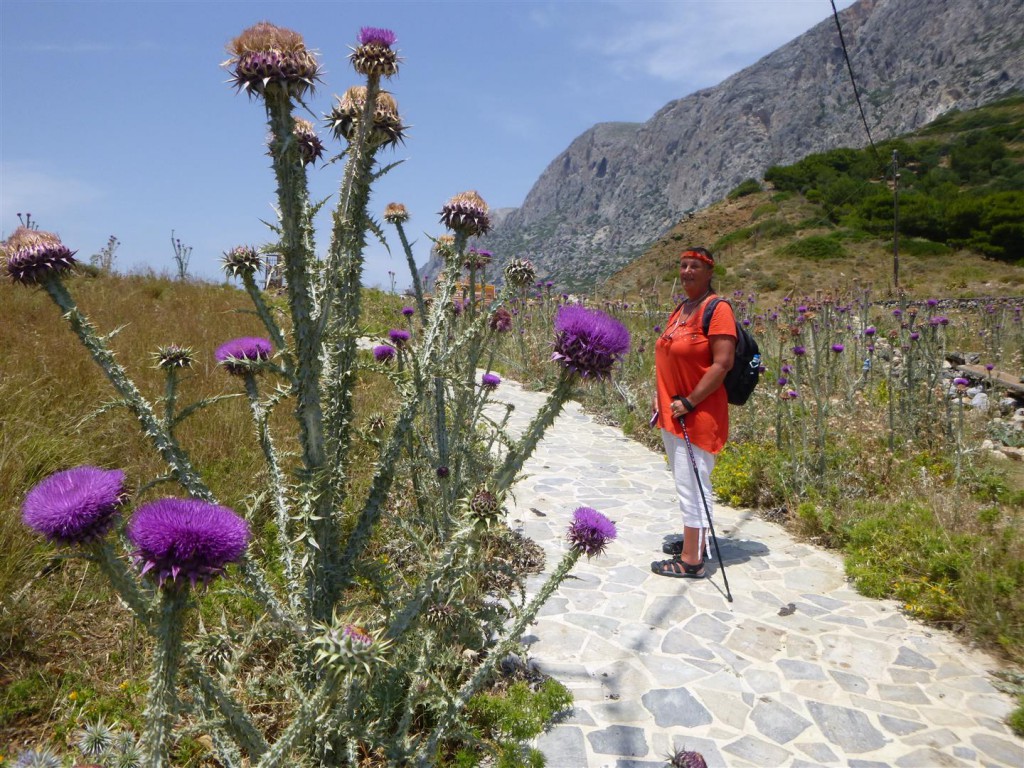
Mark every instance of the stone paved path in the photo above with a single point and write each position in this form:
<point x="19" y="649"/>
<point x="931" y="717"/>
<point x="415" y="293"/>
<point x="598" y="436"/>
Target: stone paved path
<point x="799" y="670"/>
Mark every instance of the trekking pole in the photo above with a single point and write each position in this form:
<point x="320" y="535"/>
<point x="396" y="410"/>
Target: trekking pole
<point x="707" y="512"/>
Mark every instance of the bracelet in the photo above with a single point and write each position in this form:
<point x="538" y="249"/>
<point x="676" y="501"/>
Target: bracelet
<point x="687" y="403"/>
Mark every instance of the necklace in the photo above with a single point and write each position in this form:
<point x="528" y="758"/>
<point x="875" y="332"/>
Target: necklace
<point x="689" y="306"/>
<point x="686" y="311"/>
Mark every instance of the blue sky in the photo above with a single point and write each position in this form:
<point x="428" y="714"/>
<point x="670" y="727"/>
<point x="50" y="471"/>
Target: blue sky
<point x="115" y="117"/>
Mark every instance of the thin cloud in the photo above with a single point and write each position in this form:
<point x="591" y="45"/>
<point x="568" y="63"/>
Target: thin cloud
<point x="47" y="196"/>
<point x="695" y="43"/>
<point x="85" y="48"/>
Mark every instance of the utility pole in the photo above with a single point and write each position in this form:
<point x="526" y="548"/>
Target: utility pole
<point x="896" y="219"/>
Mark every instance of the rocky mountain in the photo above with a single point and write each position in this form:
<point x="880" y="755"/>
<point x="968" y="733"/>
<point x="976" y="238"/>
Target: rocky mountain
<point x="619" y="186"/>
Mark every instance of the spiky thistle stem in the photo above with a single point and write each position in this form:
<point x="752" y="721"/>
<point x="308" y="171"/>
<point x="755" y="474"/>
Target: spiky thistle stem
<point x="167" y="655"/>
<point x="165" y="444"/>
<point x="483" y="672"/>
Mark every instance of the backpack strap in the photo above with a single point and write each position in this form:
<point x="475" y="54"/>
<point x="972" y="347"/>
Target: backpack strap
<point x="709" y="311"/>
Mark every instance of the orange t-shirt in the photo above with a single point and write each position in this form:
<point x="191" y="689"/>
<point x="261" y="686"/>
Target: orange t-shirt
<point x="682" y="355"/>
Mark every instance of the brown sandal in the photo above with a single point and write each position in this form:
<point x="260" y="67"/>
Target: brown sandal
<point x="677" y="569"/>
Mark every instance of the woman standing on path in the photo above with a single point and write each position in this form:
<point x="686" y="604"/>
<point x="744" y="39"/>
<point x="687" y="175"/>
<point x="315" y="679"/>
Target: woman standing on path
<point x="690" y="367"/>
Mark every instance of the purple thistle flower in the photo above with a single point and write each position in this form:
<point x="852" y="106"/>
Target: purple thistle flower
<point x="837" y="348"/>
<point x="897" y="312"/>
<point x="943" y="321"/>
<point x="799" y="351"/>
<point x="790" y="394"/>
<point x="801" y="309"/>
<point x="382" y="353"/>
<point x="914" y="336"/>
<point x="186" y="538"/>
<point x="871" y="347"/>
<point x="374" y="55"/>
<point x="238" y="355"/>
<point x="490" y="381"/>
<point x="75" y="506"/>
<point x="501" y="320"/>
<point x="588" y="342"/>
<point x="376" y="36"/>
<point x="408" y="311"/>
<point x="590" y="531"/>
<point x="657" y="329"/>
<point x="399" y="336"/>
<point x="787" y="369"/>
<point x="746" y="322"/>
<point x="932" y="302"/>
<point x="33" y="257"/>
<point x="870" y="331"/>
<point x="783" y="381"/>
<point x="989" y="366"/>
<point x="443" y="472"/>
<point x="960" y="381"/>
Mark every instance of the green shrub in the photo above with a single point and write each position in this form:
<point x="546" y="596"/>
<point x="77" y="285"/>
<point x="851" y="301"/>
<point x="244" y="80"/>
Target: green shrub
<point x="815" y="248"/>
<point x="916" y="246"/>
<point x="746" y="187"/>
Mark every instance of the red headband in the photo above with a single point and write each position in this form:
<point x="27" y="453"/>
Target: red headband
<point x="698" y="256"/>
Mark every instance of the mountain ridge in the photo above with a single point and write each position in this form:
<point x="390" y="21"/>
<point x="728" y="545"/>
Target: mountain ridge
<point x="619" y="186"/>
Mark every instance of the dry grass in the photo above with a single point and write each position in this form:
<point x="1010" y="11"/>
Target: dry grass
<point x="66" y="645"/>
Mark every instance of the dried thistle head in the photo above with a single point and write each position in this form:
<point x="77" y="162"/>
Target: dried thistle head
<point x="31" y="256"/>
<point x="395" y="213"/>
<point x="467" y="214"/>
<point x="311" y="148"/>
<point x="374" y="55"/>
<point x="387" y="124"/>
<point x="266" y="56"/>
<point x="687" y="759"/>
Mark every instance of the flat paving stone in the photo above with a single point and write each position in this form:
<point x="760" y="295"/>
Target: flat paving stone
<point x="798" y="670"/>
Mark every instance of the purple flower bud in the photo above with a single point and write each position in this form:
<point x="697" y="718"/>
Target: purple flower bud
<point x="241" y="356"/>
<point x="75" y="506"/>
<point x="989" y="366"/>
<point x="399" y="336"/>
<point x="787" y="369"/>
<point x="443" y="472"/>
<point x="746" y="322"/>
<point x="932" y="302"/>
<point x="588" y="342"/>
<point x="590" y="531"/>
<point x="33" y="257"/>
<point x="374" y="54"/>
<point x="408" y="311"/>
<point x="837" y="348"/>
<point x="186" y="538"/>
<point x="801" y="309"/>
<point x="870" y="331"/>
<point x="914" y="336"/>
<point x="490" y="381"/>
<point x="790" y="394"/>
<point x="960" y="381"/>
<point x="466" y="213"/>
<point x="799" y="351"/>
<point x="897" y="312"/>
<point x="783" y="381"/>
<point x="657" y="329"/>
<point x="382" y="353"/>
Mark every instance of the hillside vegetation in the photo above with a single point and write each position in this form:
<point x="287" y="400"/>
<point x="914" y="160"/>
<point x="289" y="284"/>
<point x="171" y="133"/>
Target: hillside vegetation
<point x="827" y="221"/>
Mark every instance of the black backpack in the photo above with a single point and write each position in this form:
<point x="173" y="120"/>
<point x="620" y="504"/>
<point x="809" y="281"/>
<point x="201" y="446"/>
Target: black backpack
<point x="746" y="367"/>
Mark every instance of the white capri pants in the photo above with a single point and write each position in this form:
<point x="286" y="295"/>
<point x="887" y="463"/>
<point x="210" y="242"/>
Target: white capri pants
<point x="690" y="503"/>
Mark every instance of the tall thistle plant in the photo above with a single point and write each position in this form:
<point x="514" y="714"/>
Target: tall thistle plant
<point x="394" y="597"/>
